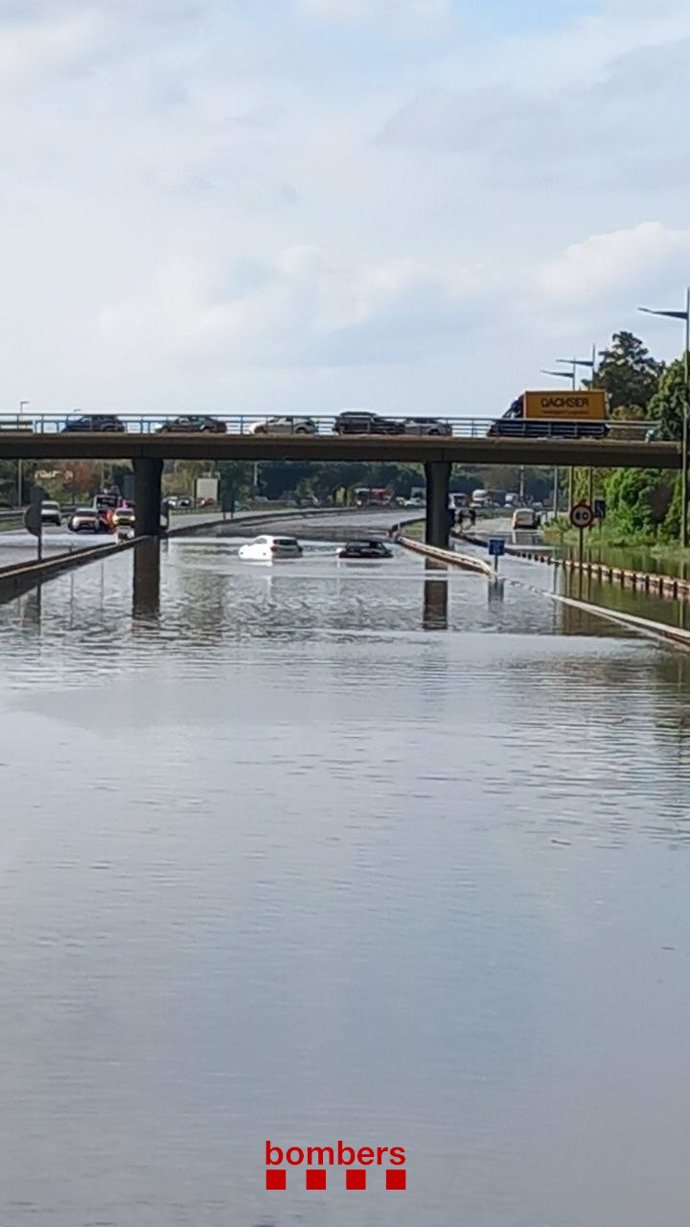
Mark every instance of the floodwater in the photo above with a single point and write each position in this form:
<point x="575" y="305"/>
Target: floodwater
<point x="327" y="851"/>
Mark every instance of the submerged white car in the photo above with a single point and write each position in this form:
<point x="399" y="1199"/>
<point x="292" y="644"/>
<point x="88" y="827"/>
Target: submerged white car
<point x="269" y="549"/>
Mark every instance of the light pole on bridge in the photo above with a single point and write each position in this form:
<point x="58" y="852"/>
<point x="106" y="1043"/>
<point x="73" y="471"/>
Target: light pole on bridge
<point x="20" y="467"/>
<point x="572" y="374"/>
<point x="682" y="315"/>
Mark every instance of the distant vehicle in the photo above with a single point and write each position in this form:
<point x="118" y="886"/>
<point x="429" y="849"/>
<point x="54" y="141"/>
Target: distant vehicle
<point x="172" y="502"/>
<point x="193" y="424"/>
<point x="555" y="415"/>
<point x="511" y="500"/>
<point x="365" y="549"/>
<point x="86" y="520"/>
<point x="426" y="426"/>
<point x="307" y="500"/>
<point x="284" y="426"/>
<point x="207" y="502"/>
<point x="270" y="549"/>
<point x="480" y="498"/>
<point x="123" y="517"/>
<point x="360" y="422"/>
<point x="417" y="501"/>
<point x="525" y="519"/>
<point x="374" y="496"/>
<point x="184" y="504"/>
<point x="458" y="499"/>
<point x="95" y="421"/>
<point x="50" y="513"/>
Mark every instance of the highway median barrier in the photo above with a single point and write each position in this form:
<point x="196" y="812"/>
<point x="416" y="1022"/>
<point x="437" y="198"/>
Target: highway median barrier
<point x="452" y="557"/>
<point x="16" y="580"/>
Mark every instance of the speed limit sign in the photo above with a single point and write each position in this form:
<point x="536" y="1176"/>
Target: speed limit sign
<point x="581" y="516"/>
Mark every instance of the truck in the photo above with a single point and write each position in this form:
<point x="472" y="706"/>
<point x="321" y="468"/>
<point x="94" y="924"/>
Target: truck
<point x="206" y="491"/>
<point x="556" y="415"/>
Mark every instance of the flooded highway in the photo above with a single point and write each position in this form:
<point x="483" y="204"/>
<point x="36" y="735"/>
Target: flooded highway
<point x="322" y="850"/>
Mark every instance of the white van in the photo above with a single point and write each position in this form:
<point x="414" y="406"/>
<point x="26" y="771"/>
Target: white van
<point x="525" y="518"/>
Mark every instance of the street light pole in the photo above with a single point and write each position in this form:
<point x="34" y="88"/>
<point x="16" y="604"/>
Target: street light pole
<point x="682" y="315"/>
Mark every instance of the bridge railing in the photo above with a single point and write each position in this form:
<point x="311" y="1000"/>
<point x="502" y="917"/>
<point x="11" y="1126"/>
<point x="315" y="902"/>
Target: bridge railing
<point x="258" y="424"/>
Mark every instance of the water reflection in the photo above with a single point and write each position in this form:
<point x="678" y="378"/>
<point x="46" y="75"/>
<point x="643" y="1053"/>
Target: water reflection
<point x="496" y="591"/>
<point x="435" y="596"/>
<point x="284" y="863"/>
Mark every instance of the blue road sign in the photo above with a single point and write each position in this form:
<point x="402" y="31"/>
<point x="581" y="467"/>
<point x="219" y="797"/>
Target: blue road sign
<point x="497" y="547"/>
<point x="600" y="508"/>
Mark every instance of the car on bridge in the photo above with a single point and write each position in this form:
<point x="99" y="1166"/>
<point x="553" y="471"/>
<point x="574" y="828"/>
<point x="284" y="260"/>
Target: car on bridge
<point x="95" y="421"/>
<point x="427" y="426"/>
<point x="361" y="422"/>
<point x="193" y="424"/>
<point x="284" y="426"/>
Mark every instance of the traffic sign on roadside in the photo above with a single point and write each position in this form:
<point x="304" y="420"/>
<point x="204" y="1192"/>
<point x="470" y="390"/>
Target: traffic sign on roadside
<point x="497" y="547"/>
<point x="33" y="520"/>
<point x="581" y="516"/>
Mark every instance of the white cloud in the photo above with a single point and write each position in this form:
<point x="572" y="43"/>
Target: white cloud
<point x="378" y="11"/>
<point x="272" y="202"/>
<point x="302" y="310"/>
<point x="607" y="266"/>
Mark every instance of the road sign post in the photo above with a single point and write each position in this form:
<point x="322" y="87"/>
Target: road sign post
<point x="33" y="522"/>
<point x="582" y="517"/>
<point x="497" y="548"/>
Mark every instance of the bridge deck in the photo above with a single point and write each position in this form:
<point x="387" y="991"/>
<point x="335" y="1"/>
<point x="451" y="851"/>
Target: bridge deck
<point x="594" y="453"/>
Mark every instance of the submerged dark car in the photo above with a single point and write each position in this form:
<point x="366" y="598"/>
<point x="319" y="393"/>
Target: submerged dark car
<point x="365" y="549"/>
<point x="194" y="424"/>
<point x="95" y="421"/>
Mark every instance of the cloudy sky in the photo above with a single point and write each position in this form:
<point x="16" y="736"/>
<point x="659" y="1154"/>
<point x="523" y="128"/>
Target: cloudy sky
<point x="306" y="205"/>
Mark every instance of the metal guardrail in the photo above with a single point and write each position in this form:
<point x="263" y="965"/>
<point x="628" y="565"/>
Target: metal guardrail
<point x="247" y="424"/>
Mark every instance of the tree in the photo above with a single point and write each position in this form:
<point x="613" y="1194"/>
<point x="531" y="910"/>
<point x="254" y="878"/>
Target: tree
<point x="668" y="405"/>
<point x="639" y="500"/>
<point x="629" y="374"/>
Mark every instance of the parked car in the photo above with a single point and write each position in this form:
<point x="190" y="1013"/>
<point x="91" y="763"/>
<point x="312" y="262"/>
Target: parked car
<point x="270" y="549"/>
<point x="427" y="426"/>
<point x="86" y="520"/>
<point x="194" y="424"/>
<point x="184" y="504"/>
<point x="414" y="502"/>
<point x="365" y="549"/>
<point x="359" y="422"/>
<point x="50" y="513"/>
<point x="95" y="421"/>
<point x="284" y="426"/>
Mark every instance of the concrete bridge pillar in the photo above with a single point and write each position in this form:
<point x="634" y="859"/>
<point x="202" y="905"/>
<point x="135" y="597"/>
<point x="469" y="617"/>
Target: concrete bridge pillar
<point x="437" y="492"/>
<point x="148" y="472"/>
<point x="146" y="593"/>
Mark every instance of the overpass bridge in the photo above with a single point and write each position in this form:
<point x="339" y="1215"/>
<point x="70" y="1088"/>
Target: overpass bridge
<point x="147" y="442"/>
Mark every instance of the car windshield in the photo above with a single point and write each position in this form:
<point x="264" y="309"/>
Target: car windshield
<point x="85" y="511"/>
<point x="50" y="506"/>
<point x="285" y="541"/>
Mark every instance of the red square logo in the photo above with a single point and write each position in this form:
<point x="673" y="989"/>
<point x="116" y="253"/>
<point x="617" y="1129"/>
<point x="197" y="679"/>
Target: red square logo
<point x="355" y="1178"/>
<point x="316" y="1178"/>
<point x="275" y="1178"/>
<point x="396" y="1178"/>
